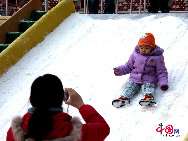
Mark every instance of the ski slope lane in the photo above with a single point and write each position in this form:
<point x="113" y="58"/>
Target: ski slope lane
<point x="83" y="50"/>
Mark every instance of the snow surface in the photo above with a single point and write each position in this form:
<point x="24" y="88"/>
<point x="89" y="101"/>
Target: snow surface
<point x="83" y="50"/>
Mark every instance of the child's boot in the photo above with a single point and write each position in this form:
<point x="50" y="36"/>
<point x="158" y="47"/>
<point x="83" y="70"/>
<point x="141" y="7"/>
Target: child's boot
<point x="147" y="101"/>
<point x="122" y="101"/>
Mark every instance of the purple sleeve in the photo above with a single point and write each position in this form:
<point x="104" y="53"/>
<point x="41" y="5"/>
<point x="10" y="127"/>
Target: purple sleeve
<point x="162" y="73"/>
<point x="127" y="68"/>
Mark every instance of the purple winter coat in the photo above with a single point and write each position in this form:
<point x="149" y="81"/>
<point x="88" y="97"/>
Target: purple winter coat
<point x="146" y="69"/>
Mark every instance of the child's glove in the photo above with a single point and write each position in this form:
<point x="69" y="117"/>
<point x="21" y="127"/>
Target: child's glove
<point x="116" y="71"/>
<point x="164" y="87"/>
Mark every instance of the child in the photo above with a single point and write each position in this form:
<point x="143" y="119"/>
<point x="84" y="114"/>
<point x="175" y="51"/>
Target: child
<point x="47" y="121"/>
<point x="147" y="68"/>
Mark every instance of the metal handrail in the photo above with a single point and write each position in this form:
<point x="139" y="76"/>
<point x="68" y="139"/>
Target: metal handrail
<point x="46" y="5"/>
<point x="86" y="6"/>
<point x="131" y="6"/>
<point x="101" y="6"/>
<point x="139" y="6"/>
<point x="117" y="3"/>
<point x="6" y="7"/>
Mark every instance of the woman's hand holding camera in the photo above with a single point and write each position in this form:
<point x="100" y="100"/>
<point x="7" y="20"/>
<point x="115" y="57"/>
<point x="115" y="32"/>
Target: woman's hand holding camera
<point x="75" y="99"/>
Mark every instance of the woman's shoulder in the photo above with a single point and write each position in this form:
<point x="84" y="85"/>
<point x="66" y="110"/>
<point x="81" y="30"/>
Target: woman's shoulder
<point x="62" y="116"/>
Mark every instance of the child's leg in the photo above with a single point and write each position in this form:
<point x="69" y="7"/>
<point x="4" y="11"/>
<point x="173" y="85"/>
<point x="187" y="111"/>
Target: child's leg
<point x="130" y="89"/>
<point x="148" y="89"/>
<point x="128" y="92"/>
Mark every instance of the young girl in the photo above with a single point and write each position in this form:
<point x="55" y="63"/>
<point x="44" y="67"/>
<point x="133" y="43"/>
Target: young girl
<point x="47" y="121"/>
<point x="147" y="68"/>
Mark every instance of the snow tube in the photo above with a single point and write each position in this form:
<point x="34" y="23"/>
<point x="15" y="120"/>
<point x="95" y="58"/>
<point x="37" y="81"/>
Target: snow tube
<point x="35" y="34"/>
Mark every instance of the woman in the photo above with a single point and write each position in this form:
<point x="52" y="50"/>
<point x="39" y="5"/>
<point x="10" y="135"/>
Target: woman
<point x="47" y="121"/>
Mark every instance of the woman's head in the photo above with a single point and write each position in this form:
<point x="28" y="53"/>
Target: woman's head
<point x="47" y="91"/>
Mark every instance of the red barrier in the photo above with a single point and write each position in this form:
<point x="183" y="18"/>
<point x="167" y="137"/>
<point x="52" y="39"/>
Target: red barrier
<point x="123" y="5"/>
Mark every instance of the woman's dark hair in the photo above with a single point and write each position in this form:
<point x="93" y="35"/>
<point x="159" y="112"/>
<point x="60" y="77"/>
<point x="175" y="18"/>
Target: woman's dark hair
<point x="46" y="92"/>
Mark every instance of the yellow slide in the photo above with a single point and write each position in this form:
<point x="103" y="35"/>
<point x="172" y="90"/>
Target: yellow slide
<point x="35" y="34"/>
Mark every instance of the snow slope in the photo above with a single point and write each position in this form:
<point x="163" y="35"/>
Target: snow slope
<point x="83" y="50"/>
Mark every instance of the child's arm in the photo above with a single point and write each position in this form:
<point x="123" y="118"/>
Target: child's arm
<point x="162" y="74"/>
<point x="125" y="69"/>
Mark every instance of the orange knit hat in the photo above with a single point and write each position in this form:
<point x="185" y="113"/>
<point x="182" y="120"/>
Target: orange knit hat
<point x="147" y="39"/>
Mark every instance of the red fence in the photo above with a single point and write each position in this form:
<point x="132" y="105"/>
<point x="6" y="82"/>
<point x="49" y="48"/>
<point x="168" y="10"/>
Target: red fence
<point x="123" y="5"/>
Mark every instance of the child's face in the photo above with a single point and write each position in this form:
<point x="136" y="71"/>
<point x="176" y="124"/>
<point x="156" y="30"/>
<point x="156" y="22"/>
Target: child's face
<point x="144" y="50"/>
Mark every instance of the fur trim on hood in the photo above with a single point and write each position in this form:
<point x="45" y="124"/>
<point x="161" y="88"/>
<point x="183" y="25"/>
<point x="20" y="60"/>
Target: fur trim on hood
<point x="19" y="133"/>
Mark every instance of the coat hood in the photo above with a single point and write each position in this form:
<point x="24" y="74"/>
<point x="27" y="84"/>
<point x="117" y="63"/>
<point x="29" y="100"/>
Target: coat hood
<point x="156" y="52"/>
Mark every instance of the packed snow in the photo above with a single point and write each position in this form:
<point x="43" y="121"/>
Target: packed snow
<point x="83" y="50"/>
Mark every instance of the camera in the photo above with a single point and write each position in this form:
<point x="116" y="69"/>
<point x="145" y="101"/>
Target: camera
<point x="66" y="95"/>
